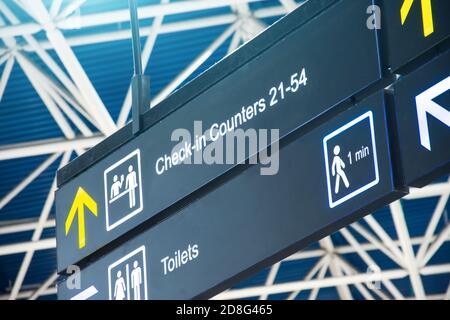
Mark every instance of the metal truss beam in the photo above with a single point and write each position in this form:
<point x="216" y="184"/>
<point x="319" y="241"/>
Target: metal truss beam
<point x="43" y="217"/>
<point x="5" y="75"/>
<point x="23" y="225"/>
<point x="77" y="99"/>
<point x="26" y="294"/>
<point x="25" y="182"/>
<point x="336" y="271"/>
<point x="183" y="75"/>
<point x="15" y="248"/>
<point x="54" y="8"/>
<point x="113" y="17"/>
<point x="235" y="42"/>
<point x="40" y="291"/>
<point x="403" y="234"/>
<point x="33" y="76"/>
<point x="424" y="249"/>
<point x="327" y="282"/>
<point x="432" y="190"/>
<point x="308" y="285"/>
<point x="95" y="105"/>
<point x="319" y="268"/>
<point x="271" y="278"/>
<point x="290" y="4"/>
<point x="48" y="146"/>
<point x="350" y="270"/>
<point x="171" y="27"/>
<point x="69" y="9"/>
<point x="4" y="56"/>
<point x="370" y="262"/>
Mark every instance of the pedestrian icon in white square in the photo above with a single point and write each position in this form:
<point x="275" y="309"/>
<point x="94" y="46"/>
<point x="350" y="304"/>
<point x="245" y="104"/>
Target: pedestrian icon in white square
<point x="123" y="190"/>
<point x="338" y="169"/>
<point x="351" y="163"/>
<point x="127" y="277"/>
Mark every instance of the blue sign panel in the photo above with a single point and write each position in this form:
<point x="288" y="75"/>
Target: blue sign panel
<point x="286" y="86"/>
<point x="422" y="105"/>
<point x="247" y="221"/>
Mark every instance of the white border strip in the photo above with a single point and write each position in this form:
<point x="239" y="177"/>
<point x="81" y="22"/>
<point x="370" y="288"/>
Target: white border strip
<point x="369" y="115"/>
<point x="144" y="269"/>
<point x="85" y="294"/>
<point x="137" y="153"/>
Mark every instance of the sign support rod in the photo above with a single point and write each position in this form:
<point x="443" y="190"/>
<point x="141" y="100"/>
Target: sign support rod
<point x="140" y="84"/>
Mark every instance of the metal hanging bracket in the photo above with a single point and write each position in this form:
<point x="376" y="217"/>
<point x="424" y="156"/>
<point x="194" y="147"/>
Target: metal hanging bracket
<point x="140" y="84"/>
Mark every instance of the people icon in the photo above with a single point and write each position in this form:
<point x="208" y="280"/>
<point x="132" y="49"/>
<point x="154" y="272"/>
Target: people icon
<point x="127" y="276"/>
<point x="337" y="169"/>
<point x="116" y="186"/>
<point x="131" y="185"/>
<point x="119" y="287"/>
<point x="136" y="280"/>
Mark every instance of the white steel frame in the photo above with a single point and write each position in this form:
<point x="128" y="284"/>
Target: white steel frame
<point x="65" y="91"/>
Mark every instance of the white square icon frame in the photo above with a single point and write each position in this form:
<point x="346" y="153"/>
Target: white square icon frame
<point x="367" y="186"/>
<point x="135" y="153"/>
<point x="140" y="250"/>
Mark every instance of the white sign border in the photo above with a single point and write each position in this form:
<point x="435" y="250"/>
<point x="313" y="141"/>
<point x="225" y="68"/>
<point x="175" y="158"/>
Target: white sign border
<point x="141" y="200"/>
<point x="134" y="252"/>
<point x="332" y="203"/>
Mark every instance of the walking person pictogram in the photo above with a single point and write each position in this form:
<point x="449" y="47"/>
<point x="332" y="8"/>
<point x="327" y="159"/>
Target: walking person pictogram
<point x="136" y="280"/>
<point x="337" y="169"/>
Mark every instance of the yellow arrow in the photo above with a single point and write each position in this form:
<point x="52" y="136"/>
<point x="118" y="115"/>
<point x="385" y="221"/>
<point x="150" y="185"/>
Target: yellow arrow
<point x="427" y="15"/>
<point x="82" y="198"/>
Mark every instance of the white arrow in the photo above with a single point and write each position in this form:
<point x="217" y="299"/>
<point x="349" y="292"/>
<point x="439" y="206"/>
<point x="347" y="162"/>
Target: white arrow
<point x="85" y="294"/>
<point x="425" y="105"/>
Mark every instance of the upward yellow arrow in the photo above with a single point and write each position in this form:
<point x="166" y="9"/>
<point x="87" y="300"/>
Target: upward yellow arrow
<point x="427" y="15"/>
<point x="82" y="198"/>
